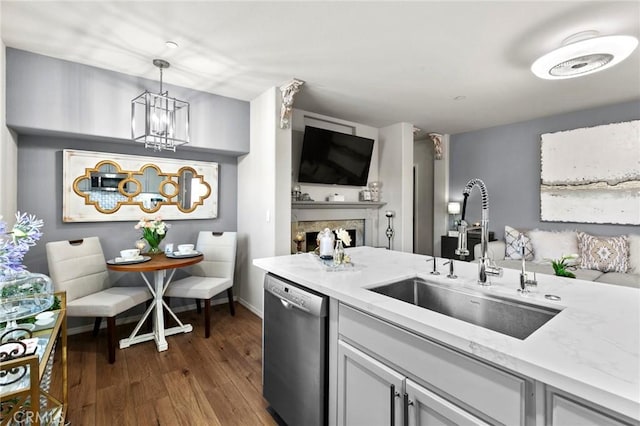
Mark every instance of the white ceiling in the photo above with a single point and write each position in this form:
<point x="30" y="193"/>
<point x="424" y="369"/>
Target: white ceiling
<point x="376" y="63"/>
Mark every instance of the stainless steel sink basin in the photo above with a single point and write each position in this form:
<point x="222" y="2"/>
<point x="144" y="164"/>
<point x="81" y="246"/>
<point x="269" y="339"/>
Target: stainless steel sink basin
<point x="514" y="318"/>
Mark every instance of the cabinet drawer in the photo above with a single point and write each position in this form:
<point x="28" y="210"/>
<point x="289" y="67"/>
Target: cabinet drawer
<point x="500" y="396"/>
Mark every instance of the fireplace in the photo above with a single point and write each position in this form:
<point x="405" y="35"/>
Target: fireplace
<point x="312" y="237"/>
<point x="316" y="216"/>
<point x="355" y="228"/>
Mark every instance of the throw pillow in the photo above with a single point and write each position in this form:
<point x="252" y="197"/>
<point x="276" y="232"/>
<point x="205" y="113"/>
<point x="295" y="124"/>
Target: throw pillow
<point x="513" y="250"/>
<point x="552" y="245"/>
<point x="606" y="254"/>
<point x="634" y="254"/>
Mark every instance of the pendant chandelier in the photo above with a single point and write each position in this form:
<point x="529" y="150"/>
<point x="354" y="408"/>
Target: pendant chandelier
<point x="159" y="121"/>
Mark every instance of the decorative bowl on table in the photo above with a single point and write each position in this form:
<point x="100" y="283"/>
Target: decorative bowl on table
<point x="24" y="295"/>
<point x="185" y="248"/>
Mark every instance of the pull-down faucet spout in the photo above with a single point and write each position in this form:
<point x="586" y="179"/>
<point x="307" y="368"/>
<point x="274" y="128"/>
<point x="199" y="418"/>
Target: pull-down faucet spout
<point x="486" y="266"/>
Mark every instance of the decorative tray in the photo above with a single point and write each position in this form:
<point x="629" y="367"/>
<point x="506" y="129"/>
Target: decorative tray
<point x="121" y="261"/>
<point x="178" y="255"/>
<point x="328" y="265"/>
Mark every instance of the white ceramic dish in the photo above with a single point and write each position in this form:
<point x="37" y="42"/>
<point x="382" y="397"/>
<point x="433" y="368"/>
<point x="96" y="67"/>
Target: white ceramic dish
<point x="178" y="255"/>
<point x="130" y="254"/>
<point x="121" y="261"/>
<point x="186" y="249"/>
<point x="44" y="315"/>
<point x="44" y="321"/>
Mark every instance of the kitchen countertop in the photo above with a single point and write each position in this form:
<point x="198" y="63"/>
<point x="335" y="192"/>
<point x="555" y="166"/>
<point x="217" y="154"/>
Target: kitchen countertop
<point x="591" y="349"/>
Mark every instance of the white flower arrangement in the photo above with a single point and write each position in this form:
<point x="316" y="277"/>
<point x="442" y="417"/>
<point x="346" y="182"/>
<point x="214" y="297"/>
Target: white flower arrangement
<point x="153" y="231"/>
<point x="343" y="236"/>
<point x="156" y="225"/>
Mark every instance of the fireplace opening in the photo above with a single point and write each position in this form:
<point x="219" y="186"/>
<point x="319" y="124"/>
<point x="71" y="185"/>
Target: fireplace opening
<point x="309" y="230"/>
<point x="312" y="239"/>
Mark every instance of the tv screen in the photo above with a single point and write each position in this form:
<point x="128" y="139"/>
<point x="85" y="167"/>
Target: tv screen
<point x="334" y="158"/>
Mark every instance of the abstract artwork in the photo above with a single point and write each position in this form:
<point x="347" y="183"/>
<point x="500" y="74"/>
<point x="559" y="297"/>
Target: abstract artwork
<point x="591" y="175"/>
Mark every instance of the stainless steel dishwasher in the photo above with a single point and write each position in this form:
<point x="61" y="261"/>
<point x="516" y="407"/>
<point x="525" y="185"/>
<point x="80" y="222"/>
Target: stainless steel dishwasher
<point x="294" y="354"/>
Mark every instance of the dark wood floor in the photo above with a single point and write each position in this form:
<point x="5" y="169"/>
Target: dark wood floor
<point x="197" y="381"/>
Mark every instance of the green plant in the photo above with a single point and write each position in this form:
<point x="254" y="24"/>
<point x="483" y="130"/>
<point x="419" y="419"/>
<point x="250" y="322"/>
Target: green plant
<point x="560" y="266"/>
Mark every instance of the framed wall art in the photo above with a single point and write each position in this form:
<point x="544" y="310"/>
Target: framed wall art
<point x="591" y="175"/>
<point x="102" y="186"/>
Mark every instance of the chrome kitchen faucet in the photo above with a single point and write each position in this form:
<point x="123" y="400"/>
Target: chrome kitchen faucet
<point x="486" y="266"/>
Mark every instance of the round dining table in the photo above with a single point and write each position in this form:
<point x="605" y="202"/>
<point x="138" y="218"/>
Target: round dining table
<point x="158" y="265"/>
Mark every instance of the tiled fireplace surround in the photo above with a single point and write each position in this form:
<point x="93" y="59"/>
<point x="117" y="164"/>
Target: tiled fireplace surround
<point x="363" y="222"/>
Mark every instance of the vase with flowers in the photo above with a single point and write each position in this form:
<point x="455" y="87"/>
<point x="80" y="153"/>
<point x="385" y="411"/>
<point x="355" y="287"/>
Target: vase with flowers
<point x="343" y="239"/>
<point x="153" y="232"/>
<point x="22" y="294"/>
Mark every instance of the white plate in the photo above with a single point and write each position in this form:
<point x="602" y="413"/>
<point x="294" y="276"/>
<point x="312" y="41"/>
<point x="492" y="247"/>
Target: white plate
<point x="120" y="261"/>
<point x="44" y="321"/>
<point x="44" y="315"/>
<point x="178" y="255"/>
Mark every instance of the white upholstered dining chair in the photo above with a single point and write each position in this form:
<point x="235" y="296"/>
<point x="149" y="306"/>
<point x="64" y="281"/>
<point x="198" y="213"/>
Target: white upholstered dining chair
<point x="211" y="276"/>
<point x="79" y="268"/>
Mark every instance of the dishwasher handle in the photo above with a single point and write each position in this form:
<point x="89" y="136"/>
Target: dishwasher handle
<point x="286" y="302"/>
<point x="295" y="296"/>
<point x="287" y="305"/>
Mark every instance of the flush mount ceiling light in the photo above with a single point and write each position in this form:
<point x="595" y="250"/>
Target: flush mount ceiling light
<point x="582" y="54"/>
<point x="159" y="121"/>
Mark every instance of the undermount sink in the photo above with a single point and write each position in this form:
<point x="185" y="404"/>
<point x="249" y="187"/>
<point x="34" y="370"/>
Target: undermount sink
<point x="513" y="318"/>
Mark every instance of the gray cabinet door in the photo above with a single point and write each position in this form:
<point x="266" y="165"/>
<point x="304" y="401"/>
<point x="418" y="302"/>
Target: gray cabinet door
<point x="563" y="410"/>
<point x="369" y="393"/>
<point x="427" y="408"/>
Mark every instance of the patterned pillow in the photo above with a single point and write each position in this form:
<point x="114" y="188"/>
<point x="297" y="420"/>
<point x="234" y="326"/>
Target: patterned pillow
<point x="606" y="254"/>
<point x="634" y="253"/>
<point x="512" y="241"/>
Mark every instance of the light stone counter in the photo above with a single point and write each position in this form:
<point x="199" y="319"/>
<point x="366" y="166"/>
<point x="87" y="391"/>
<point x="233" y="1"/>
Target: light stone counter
<point x="591" y="349"/>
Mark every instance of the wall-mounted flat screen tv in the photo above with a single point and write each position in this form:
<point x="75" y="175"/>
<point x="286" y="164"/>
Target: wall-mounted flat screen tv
<point x="334" y="158"/>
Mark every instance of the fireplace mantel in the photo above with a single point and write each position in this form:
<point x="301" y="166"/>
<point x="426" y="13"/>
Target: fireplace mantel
<point x="340" y="210"/>
<point x="336" y="205"/>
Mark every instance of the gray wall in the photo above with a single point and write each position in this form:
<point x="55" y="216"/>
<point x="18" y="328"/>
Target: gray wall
<point x="40" y="193"/>
<point x="53" y="95"/>
<point x="54" y="104"/>
<point x="507" y="159"/>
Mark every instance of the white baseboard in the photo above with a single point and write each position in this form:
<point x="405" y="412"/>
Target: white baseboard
<point x="250" y="307"/>
<point x="136" y="318"/>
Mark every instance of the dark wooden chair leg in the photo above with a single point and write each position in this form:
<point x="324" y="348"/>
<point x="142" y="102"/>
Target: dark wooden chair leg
<point x="96" y="326"/>
<point x="232" y="308"/>
<point x="207" y="318"/>
<point x="198" y="307"/>
<point x="111" y="339"/>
